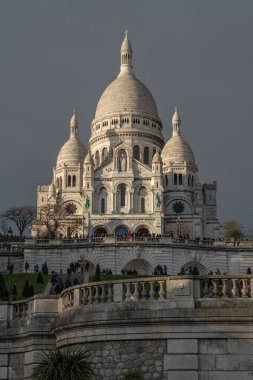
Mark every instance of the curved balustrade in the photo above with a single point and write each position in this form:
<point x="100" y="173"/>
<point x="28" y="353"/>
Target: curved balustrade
<point x="227" y="287"/>
<point x="176" y="290"/>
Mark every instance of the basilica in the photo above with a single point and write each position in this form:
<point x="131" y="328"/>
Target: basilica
<point x="128" y="180"/>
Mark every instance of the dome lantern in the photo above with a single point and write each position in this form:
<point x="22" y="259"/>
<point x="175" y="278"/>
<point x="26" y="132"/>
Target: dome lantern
<point x="73" y="125"/>
<point x="176" y="121"/>
<point x="126" y="53"/>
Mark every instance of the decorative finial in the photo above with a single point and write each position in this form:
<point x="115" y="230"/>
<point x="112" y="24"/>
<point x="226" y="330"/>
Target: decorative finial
<point x="176" y="109"/>
<point x="126" y="32"/>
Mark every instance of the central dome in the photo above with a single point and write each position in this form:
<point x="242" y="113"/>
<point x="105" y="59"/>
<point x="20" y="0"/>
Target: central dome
<point x="126" y="94"/>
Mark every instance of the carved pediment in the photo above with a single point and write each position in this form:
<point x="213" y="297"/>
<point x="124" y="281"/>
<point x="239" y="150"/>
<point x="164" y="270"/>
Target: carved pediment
<point x="141" y="170"/>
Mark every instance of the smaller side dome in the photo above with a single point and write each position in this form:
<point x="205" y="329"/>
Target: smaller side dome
<point x="88" y="159"/>
<point x="156" y="159"/>
<point x="73" y="151"/>
<point x="177" y="150"/>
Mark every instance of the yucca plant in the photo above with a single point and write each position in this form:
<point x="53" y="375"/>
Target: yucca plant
<point x="64" y="365"/>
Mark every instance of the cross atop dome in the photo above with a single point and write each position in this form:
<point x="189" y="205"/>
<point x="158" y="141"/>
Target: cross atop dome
<point x="73" y="124"/>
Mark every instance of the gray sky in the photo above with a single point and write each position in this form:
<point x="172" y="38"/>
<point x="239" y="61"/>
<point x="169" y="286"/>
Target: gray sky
<point x="57" y="55"/>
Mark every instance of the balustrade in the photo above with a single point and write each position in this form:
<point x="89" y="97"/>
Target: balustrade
<point x="226" y="287"/>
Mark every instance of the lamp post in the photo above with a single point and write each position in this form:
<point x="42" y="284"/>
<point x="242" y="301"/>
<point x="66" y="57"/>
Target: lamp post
<point x="10" y="235"/>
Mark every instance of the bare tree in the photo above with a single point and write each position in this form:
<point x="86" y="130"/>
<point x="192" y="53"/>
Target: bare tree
<point x="51" y="219"/>
<point x="22" y="217"/>
<point x="4" y="226"/>
<point x="74" y="227"/>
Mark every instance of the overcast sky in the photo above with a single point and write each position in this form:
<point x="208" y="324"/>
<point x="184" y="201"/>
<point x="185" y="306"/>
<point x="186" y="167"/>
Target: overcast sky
<point x="57" y="55"/>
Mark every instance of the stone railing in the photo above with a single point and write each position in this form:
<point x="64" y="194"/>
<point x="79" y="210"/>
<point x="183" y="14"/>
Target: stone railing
<point x="174" y="288"/>
<point x="166" y="291"/>
<point x="163" y="239"/>
<point x="227" y="286"/>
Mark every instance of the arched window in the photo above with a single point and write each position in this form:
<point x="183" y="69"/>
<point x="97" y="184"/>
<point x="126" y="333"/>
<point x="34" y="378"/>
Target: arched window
<point x="103" y="206"/>
<point x="122" y="195"/>
<point x="97" y="159"/>
<point x="69" y="180"/>
<point x="122" y="161"/>
<point x="175" y="179"/>
<point x="143" y="205"/>
<point x="192" y="180"/>
<point x="166" y="181"/>
<point x="104" y="154"/>
<point x="189" y="180"/>
<point x="74" y="181"/>
<point x="57" y="183"/>
<point x="153" y="152"/>
<point x="136" y="152"/>
<point x="146" y="155"/>
<point x="180" y="179"/>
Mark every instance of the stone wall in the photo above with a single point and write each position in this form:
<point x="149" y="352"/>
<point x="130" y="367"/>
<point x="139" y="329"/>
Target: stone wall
<point x="112" y="359"/>
<point x="170" y="334"/>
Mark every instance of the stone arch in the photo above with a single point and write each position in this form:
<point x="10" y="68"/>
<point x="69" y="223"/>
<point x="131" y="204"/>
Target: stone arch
<point x="148" y="226"/>
<point x="81" y="257"/>
<point x="142" y="230"/>
<point x="142" y="266"/>
<point x="99" y="230"/>
<point x="195" y="264"/>
<point x="121" y="230"/>
<point x="188" y="258"/>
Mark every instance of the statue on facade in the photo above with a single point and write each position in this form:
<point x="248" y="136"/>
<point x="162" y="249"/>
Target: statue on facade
<point x="122" y="162"/>
<point x="86" y="202"/>
<point x="158" y="200"/>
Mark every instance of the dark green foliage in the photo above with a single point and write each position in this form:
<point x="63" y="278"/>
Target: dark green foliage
<point x="4" y="293"/>
<point x="98" y="273"/>
<point x="133" y="374"/>
<point x="26" y="289"/>
<point x="195" y="271"/>
<point x="249" y="270"/>
<point x="44" y="268"/>
<point x="31" y="290"/>
<point x="64" y="365"/>
<point x="39" y="279"/>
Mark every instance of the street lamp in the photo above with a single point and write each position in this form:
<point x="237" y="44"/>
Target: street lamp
<point x="10" y="234"/>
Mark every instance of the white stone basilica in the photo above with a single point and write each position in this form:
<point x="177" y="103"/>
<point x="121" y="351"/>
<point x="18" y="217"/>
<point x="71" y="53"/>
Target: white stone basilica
<point x="129" y="180"/>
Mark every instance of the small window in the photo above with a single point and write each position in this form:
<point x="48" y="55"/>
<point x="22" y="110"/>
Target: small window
<point x="175" y="179"/>
<point x="136" y="152"/>
<point x="74" y="181"/>
<point x="103" y="206"/>
<point x="122" y="192"/>
<point x="180" y="179"/>
<point x="146" y="155"/>
<point x="69" y="180"/>
<point x="143" y="205"/>
<point x="166" y="181"/>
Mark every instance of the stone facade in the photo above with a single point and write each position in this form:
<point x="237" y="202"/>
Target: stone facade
<point x="129" y="181"/>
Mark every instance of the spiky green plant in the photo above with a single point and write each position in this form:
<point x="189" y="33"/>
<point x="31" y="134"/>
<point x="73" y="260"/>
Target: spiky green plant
<point x="64" y="365"/>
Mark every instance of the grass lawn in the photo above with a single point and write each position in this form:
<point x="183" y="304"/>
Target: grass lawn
<point x="20" y="279"/>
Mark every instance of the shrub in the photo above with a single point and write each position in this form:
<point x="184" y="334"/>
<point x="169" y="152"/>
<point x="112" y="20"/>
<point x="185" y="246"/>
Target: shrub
<point x="44" y="268"/>
<point x="26" y="289"/>
<point x="31" y="290"/>
<point x="4" y="293"/>
<point x="98" y="273"/>
<point x="39" y="279"/>
<point x="133" y="374"/>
